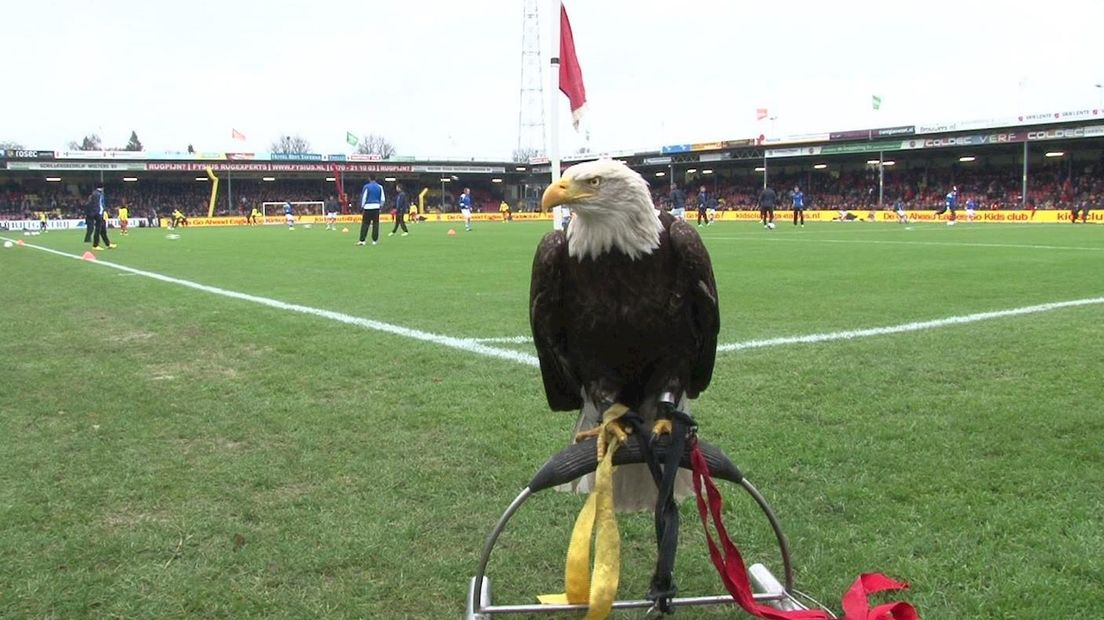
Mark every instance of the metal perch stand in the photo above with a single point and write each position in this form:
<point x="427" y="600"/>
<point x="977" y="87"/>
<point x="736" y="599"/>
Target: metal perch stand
<point x="580" y="459"/>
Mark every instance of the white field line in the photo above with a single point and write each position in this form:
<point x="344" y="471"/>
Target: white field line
<point x="908" y="327"/>
<point x="475" y="345"/>
<point x="874" y="331"/>
<point x="464" y="344"/>
<point x="505" y="339"/>
<point x="881" y="331"/>
<point x="767" y="236"/>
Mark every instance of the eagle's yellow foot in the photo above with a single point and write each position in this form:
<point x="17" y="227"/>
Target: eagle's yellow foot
<point x="622" y="432"/>
<point x="610" y="426"/>
<point x="583" y="435"/>
<point x="603" y="432"/>
<point x="662" y="426"/>
<point x="615" y="429"/>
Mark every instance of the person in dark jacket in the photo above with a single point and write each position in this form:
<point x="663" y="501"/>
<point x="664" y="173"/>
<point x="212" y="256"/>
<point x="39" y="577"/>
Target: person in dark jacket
<point x="95" y="215"/>
<point x="91" y="209"/>
<point x="703" y="200"/>
<point x="767" y="199"/>
<point x="402" y="205"/>
<point x="678" y="202"/>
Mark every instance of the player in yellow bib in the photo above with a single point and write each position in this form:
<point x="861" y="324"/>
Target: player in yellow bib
<point x="253" y="215"/>
<point x="504" y="209"/>
<point x="124" y="219"/>
<point x="178" y="218"/>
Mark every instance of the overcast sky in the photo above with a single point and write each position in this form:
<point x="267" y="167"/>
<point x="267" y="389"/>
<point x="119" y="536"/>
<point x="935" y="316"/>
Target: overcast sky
<point x="441" y="78"/>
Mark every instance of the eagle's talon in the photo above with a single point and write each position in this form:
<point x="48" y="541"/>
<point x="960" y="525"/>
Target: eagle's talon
<point x="620" y="432"/>
<point x="662" y="426"/>
<point x="587" y="434"/>
<point x="604" y="433"/>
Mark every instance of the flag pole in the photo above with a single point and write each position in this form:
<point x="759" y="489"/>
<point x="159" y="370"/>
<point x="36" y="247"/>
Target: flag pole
<point x="881" y="178"/>
<point x="554" y="90"/>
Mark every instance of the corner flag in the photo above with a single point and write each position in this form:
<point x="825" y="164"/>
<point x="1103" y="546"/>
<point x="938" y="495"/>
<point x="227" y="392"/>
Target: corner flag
<point x="237" y="135"/>
<point x="876" y="101"/>
<point x="351" y="139"/>
<point x="571" y="75"/>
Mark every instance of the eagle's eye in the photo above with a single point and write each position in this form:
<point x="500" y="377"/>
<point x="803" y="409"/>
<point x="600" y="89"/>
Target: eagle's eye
<point x="595" y="182"/>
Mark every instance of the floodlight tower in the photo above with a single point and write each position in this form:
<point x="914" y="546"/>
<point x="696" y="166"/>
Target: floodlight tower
<point x="531" y="108"/>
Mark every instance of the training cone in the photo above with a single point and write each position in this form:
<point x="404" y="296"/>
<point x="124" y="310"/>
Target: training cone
<point x="344" y="230"/>
<point x="18" y="242"/>
<point x="452" y="232"/>
<point x="88" y="255"/>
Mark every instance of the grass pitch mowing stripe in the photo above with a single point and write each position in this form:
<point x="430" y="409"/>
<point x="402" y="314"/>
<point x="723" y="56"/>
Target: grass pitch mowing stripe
<point x="479" y="345"/>
<point x="967" y="244"/>
<point x="468" y="345"/>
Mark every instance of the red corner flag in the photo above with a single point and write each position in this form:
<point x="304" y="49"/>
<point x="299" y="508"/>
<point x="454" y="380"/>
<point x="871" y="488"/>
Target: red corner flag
<point x="761" y="113"/>
<point x="237" y="135"/>
<point x="571" y="75"/>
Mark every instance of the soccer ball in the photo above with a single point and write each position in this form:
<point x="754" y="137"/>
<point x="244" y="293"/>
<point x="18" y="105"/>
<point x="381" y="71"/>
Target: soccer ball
<point x="8" y="244"/>
<point x="306" y="225"/>
<point x="770" y="225"/>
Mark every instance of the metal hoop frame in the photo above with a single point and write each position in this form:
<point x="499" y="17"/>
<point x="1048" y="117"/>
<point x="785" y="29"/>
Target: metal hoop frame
<point x="479" y="606"/>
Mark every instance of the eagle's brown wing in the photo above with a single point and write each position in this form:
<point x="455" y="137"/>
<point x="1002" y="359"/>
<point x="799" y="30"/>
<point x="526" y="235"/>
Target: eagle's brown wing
<point x="548" y="320"/>
<point x="696" y="270"/>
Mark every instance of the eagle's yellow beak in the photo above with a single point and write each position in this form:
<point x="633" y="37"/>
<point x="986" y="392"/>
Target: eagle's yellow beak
<point x="562" y="192"/>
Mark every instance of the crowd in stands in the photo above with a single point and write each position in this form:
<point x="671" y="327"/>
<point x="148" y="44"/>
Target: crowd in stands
<point x="148" y="197"/>
<point x="1055" y="186"/>
<point x="1048" y="188"/>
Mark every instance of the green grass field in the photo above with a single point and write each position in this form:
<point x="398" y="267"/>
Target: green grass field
<point x="171" y="452"/>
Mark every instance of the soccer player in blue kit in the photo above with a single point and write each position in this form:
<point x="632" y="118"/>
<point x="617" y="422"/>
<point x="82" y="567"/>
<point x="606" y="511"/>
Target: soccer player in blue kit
<point x="289" y="215"/>
<point x="950" y="203"/>
<point x="899" y="207"/>
<point x="466" y="208"/>
<point x="798" y="205"/>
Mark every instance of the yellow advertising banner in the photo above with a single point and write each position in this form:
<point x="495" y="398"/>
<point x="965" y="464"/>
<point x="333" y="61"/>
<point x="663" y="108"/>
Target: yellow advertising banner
<point x="484" y="217"/>
<point x="988" y="217"/>
<point x="984" y="217"/>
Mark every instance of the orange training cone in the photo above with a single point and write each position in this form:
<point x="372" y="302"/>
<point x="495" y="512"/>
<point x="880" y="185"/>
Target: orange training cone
<point x="18" y="242"/>
<point x="88" y="255"/>
<point x="452" y="232"/>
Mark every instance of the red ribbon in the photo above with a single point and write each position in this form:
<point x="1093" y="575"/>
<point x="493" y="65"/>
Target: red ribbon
<point x="733" y="571"/>
<point x="856" y="605"/>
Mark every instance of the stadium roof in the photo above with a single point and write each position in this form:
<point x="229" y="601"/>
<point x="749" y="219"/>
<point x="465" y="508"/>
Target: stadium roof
<point x="1072" y="124"/>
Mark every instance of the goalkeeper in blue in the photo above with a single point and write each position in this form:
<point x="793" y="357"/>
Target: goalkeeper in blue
<point x="289" y="214"/>
<point x="899" y="207"/>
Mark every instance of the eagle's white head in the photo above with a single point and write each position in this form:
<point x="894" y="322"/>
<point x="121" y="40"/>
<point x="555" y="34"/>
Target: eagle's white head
<point x="611" y="207"/>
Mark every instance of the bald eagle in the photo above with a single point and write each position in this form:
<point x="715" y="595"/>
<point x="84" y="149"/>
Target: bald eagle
<point x="623" y="308"/>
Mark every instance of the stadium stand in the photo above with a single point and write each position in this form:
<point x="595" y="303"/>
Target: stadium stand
<point x="1065" y="162"/>
<point x="20" y="199"/>
<point x="921" y="190"/>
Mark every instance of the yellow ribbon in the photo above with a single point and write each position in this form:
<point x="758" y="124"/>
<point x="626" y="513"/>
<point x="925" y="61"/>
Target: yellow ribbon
<point x="598" y="517"/>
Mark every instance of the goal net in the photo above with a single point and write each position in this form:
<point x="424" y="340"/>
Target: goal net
<point x="307" y="211"/>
